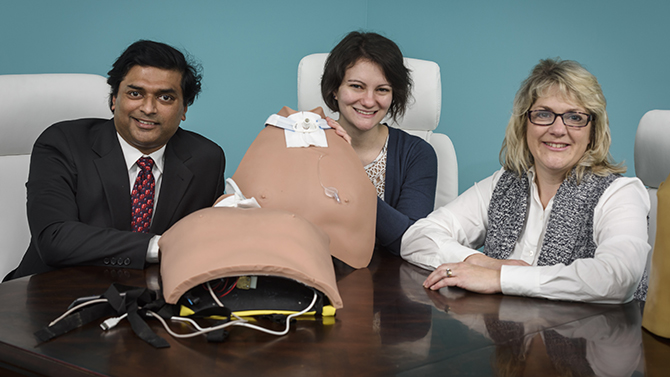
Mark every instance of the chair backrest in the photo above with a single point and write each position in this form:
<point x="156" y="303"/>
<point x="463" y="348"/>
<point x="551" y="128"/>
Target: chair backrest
<point x="421" y="118"/>
<point x="28" y="105"/>
<point x="652" y="157"/>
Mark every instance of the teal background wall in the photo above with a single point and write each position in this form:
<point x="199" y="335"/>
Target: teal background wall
<point x="250" y="53"/>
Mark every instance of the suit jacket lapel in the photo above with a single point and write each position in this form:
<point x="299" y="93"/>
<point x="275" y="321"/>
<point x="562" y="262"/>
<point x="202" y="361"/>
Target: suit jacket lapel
<point x="175" y="182"/>
<point x="111" y="169"/>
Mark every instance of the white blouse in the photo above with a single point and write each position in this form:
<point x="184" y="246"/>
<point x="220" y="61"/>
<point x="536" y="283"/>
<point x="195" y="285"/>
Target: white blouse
<point x="454" y="232"/>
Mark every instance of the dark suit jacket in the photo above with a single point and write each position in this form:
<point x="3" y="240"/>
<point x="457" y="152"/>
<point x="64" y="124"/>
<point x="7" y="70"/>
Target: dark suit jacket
<point x="79" y="195"/>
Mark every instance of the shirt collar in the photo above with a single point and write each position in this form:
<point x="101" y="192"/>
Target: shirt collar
<point x="535" y="192"/>
<point x="131" y="154"/>
<point x="531" y="174"/>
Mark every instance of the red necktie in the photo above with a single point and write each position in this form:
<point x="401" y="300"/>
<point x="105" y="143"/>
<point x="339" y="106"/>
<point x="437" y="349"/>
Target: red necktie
<point x="142" y="197"/>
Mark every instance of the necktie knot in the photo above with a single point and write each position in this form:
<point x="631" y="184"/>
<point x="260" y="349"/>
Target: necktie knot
<point x="145" y="163"/>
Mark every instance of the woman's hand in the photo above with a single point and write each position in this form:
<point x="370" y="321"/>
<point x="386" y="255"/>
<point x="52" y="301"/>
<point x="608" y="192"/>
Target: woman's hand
<point x="339" y="130"/>
<point x="464" y="275"/>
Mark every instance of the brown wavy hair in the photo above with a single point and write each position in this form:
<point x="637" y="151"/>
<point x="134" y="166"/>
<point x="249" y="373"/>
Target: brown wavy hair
<point x="376" y="49"/>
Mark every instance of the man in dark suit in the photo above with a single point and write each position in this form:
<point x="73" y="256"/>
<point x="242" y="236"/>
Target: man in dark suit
<point x="88" y="175"/>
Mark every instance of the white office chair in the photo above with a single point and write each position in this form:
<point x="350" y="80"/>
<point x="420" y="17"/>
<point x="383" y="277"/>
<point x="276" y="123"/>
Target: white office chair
<point x="28" y="105"/>
<point x="652" y="158"/>
<point x="421" y="117"/>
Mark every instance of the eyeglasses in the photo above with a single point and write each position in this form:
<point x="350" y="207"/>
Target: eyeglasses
<point x="570" y="119"/>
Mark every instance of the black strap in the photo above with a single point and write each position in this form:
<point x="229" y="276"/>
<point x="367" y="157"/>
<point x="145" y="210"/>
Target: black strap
<point x="220" y="311"/>
<point x="130" y="299"/>
<point x="74" y="320"/>
<point x="276" y="318"/>
<point x="120" y="299"/>
<point x="218" y="336"/>
<point x="143" y="330"/>
<point x="318" y="305"/>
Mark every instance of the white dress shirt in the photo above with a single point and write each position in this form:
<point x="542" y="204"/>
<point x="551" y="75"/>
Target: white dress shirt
<point x="131" y="155"/>
<point x="454" y="232"/>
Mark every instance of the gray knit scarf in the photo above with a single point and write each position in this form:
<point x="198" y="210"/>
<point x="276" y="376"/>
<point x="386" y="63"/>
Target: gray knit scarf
<point x="569" y="234"/>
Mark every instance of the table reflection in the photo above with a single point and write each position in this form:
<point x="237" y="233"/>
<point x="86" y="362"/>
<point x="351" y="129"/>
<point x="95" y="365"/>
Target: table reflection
<point x="390" y="325"/>
<point x="535" y="337"/>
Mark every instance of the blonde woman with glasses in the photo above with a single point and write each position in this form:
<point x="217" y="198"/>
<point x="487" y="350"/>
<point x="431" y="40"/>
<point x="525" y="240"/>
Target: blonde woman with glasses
<point x="558" y="221"/>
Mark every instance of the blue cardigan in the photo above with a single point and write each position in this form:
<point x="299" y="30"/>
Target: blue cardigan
<point x="411" y="177"/>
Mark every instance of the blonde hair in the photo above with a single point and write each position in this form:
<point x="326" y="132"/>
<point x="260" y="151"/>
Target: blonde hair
<point x="577" y="84"/>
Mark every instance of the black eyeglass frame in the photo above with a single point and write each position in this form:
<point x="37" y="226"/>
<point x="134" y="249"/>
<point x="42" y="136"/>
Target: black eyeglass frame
<point x="589" y="118"/>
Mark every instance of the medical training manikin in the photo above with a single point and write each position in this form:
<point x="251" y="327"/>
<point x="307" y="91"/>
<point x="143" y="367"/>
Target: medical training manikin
<point x="299" y="195"/>
<point x="300" y="171"/>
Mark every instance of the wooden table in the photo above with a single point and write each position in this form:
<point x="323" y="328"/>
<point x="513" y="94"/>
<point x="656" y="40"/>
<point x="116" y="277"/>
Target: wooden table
<point x="390" y="325"/>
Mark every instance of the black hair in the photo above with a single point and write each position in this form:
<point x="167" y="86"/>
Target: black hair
<point x="155" y="54"/>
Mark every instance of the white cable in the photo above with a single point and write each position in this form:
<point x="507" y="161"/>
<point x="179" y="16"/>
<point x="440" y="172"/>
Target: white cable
<point x="239" y="322"/>
<point x="199" y="332"/>
<point x="195" y="324"/>
<point x="288" y="320"/>
<point x="184" y="319"/>
<point x="211" y="292"/>
<point x="110" y="323"/>
<point x="96" y="301"/>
